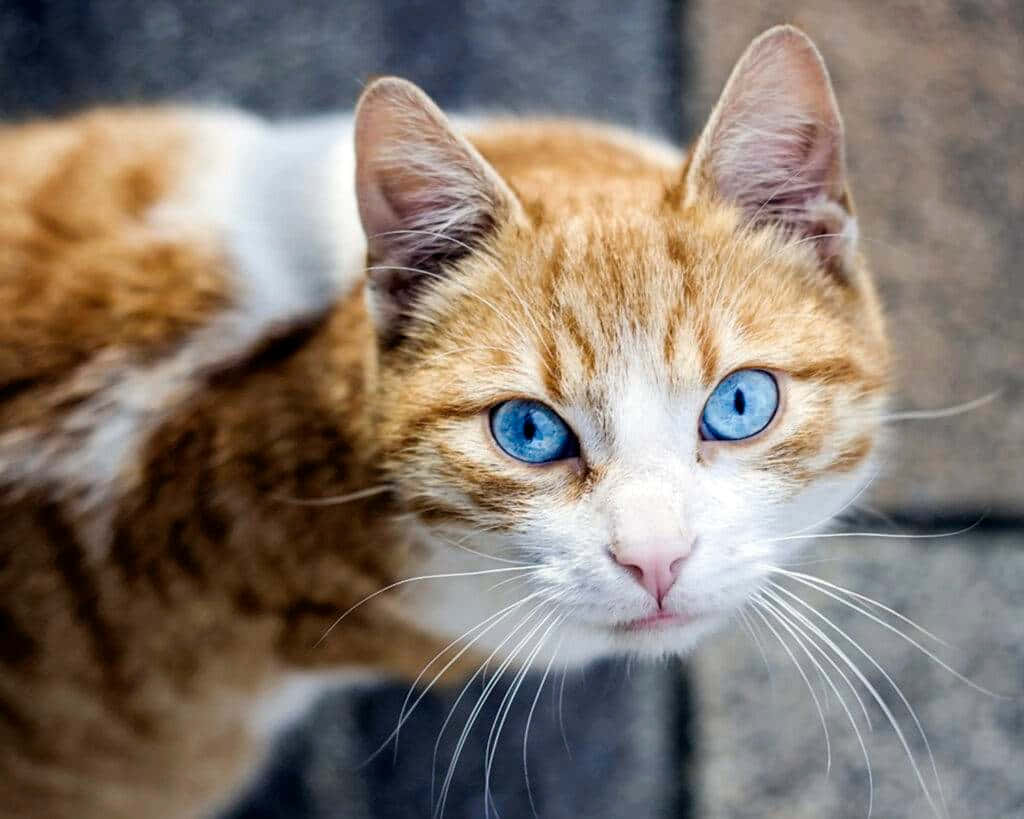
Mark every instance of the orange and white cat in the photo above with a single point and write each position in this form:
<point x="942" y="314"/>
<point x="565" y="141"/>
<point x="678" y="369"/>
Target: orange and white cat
<point x="252" y="374"/>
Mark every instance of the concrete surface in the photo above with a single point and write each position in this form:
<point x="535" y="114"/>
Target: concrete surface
<point x="282" y="58"/>
<point x="761" y="744"/>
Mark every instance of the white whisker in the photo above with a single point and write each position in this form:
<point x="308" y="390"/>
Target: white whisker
<point x="815" y="630"/>
<point x="477" y="708"/>
<point x="929" y="654"/>
<point x="944" y="412"/>
<point x="882" y="703"/>
<point x="817" y="704"/>
<point x="397" y="583"/>
<point x="849" y="715"/>
<point x="885" y="535"/>
<point x="462" y="693"/>
<point x="561" y="711"/>
<point x="404" y="715"/>
<point x="505" y="707"/>
<point x="529" y="720"/>
<point x="458" y="544"/>
<point x="811" y="580"/>
<point x="745" y="620"/>
<point x="335" y="500"/>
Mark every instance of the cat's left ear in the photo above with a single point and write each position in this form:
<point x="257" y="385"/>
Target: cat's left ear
<point x="774" y="146"/>
<point x="426" y="197"/>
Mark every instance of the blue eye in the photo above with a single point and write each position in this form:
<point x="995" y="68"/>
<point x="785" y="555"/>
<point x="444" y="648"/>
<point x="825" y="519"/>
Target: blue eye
<point x="740" y="407"/>
<point x="532" y="432"/>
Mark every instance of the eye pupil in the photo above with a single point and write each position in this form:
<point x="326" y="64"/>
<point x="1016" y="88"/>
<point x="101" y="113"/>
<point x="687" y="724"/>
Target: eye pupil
<point x="739" y="402"/>
<point x="529" y="428"/>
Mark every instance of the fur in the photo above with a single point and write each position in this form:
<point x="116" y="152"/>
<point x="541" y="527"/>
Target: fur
<point x="195" y="364"/>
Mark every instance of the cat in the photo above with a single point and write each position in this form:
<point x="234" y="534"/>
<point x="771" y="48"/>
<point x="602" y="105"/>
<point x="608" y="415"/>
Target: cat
<point x="282" y="400"/>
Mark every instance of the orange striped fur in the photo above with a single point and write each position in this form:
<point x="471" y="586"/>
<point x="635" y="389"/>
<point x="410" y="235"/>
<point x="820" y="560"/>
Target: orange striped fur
<point x="194" y="361"/>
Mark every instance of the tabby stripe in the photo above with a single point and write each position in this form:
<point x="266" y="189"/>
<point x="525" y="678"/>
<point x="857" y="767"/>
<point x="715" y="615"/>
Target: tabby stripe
<point x="123" y="554"/>
<point x="16" y="644"/>
<point x="586" y="349"/>
<point x="708" y="353"/>
<point x="851" y="455"/>
<point x="181" y="552"/>
<point x="69" y="559"/>
<point x="12" y="716"/>
<point x="12" y="389"/>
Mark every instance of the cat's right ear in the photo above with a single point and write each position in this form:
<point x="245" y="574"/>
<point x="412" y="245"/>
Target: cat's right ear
<point x="426" y="197"/>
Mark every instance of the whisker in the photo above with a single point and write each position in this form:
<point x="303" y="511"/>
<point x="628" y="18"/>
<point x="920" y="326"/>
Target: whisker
<point x="944" y="412"/>
<point x="806" y="679"/>
<point x="451" y="711"/>
<point x="460" y="545"/>
<point x="404" y="715"/>
<point x="501" y="583"/>
<point x="887" y="535"/>
<point x="561" y="712"/>
<point x="505" y="707"/>
<point x="878" y="513"/>
<point x="335" y="500"/>
<point x="397" y="583"/>
<point x="881" y="701"/>
<point x="906" y="637"/>
<point x="813" y="582"/>
<point x="793" y="534"/>
<point x="745" y="620"/>
<point x="529" y="720"/>
<point x="774" y="596"/>
<point x="849" y="715"/>
<point x="477" y="708"/>
<point x="860" y="491"/>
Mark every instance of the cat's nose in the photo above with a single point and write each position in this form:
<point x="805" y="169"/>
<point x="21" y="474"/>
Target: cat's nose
<point x="656" y="568"/>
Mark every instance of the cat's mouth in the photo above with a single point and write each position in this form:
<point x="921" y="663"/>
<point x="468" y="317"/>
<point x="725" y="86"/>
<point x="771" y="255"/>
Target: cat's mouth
<point x="658" y="620"/>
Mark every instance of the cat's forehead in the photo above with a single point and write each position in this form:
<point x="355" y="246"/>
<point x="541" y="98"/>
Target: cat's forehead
<point x="667" y="300"/>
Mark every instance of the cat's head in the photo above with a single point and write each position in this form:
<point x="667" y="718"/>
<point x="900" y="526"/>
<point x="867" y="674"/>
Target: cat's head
<point x="630" y="379"/>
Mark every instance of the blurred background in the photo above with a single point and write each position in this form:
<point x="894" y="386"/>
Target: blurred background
<point x="933" y="98"/>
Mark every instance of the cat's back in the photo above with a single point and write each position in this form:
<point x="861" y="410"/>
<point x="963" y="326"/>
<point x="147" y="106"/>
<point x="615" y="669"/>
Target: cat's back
<point x="124" y="229"/>
<point x="82" y="268"/>
<point x="141" y="249"/>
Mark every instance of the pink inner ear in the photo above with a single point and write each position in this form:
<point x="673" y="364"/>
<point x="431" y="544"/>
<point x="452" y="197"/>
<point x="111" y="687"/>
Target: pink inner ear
<point x="425" y="195"/>
<point x="774" y="145"/>
<point x="791" y="177"/>
<point x="777" y="168"/>
<point x="423" y="190"/>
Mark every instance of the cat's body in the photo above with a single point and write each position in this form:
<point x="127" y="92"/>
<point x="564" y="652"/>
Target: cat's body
<point x="189" y="355"/>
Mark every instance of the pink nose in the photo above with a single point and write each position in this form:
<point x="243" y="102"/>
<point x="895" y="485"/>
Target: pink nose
<point x="656" y="569"/>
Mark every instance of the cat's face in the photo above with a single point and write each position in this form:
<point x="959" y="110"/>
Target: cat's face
<point x="632" y="386"/>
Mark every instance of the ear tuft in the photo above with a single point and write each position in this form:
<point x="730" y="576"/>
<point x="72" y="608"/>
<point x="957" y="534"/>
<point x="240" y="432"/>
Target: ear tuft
<point x="774" y="145"/>
<point x="426" y="196"/>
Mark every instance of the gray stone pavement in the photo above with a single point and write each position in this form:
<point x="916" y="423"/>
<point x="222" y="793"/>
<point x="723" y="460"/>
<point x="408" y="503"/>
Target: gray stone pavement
<point x="760" y="740"/>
